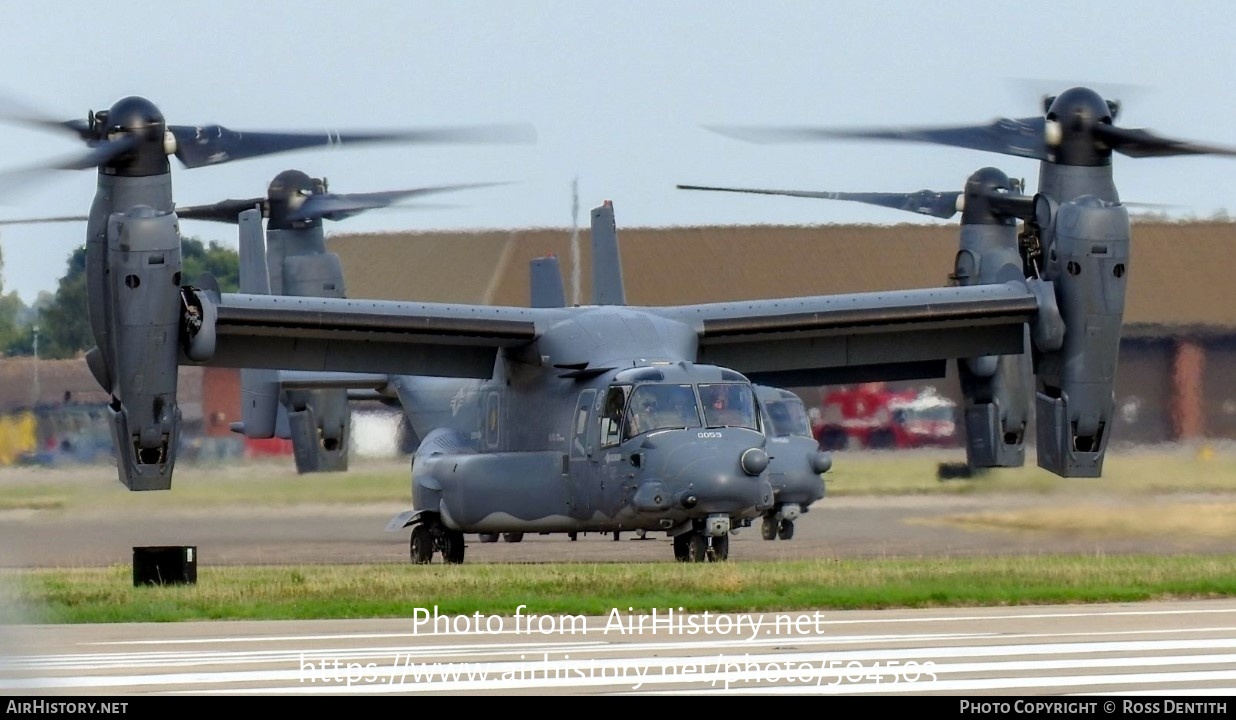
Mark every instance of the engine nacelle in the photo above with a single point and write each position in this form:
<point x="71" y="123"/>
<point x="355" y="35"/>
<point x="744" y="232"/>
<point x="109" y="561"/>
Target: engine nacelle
<point x="318" y="420"/>
<point x="1088" y="264"/>
<point x="259" y="403"/>
<point x="318" y="424"/>
<point x="996" y="389"/>
<point x="143" y="290"/>
<point x="313" y="276"/>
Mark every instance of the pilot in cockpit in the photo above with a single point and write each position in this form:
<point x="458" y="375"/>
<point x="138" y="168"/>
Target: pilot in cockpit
<point x="643" y="414"/>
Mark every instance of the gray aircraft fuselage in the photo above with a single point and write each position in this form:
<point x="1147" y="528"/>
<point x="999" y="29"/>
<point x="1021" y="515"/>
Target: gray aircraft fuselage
<point x="555" y="449"/>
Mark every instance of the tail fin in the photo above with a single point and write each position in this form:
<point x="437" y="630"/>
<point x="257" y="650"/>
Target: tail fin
<point x="607" y="288"/>
<point x="546" y="287"/>
<point x="259" y="389"/>
<point x="254" y="274"/>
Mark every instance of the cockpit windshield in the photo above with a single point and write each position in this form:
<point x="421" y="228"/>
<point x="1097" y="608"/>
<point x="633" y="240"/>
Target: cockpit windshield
<point x="788" y="417"/>
<point x="729" y="405"/>
<point x="661" y="407"/>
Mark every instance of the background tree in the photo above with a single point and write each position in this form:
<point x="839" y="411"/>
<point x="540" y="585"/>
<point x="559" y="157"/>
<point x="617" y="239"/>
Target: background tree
<point x="222" y="262"/>
<point x="15" y="321"/>
<point x="64" y="326"/>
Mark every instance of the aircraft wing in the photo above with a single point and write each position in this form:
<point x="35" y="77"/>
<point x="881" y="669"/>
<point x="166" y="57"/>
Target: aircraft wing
<point x="360" y="336"/>
<point x="302" y="380"/>
<point x="904" y="334"/>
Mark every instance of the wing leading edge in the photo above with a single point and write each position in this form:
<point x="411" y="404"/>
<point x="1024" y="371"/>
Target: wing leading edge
<point x="366" y="336"/>
<point x="896" y="335"/>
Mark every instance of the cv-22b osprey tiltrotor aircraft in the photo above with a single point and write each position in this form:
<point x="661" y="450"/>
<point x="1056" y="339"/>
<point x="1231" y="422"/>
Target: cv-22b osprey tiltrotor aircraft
<point x="590" y="418"/>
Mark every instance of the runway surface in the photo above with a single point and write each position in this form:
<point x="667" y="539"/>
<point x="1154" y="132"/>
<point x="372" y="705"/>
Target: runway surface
<point x="1164" y="649"/>
<point x="1173" y="649"/>
<point x="894" y="526"/>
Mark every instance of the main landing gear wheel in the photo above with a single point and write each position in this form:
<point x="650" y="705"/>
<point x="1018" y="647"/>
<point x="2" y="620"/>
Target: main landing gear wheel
<point x="488" y="537"/>
<point x="768" y="528"/>
<point x="681" y="553"/>
<point x="513" y="537"/>
<point x="697" y="547"/>
<point x="719" y="548"/>
<point x="422" y="543"/>
<point x="787" y="530"/>
<point x="452" y="547"/>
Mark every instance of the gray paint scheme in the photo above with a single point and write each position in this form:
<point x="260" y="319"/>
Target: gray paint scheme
<point x="997" y="389"/>
<point x="514" y="405"/>
<point x="795" y="462"/>
<point x="1075" y="238"/>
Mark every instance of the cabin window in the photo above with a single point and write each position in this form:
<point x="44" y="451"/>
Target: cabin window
<point x="581" y="446"/>
<point x="729" y="405"/>
<point x="612" y="413"/>
<point x="661" y="407"/>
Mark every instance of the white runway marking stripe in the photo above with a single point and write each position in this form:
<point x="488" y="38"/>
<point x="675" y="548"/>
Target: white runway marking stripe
<point x="599" y="626"/>
<point x="386" y="653"/>
<point x="198" y="658"/>
<point x="543" y="670"/>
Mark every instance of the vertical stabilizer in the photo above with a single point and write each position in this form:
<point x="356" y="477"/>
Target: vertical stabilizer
<point x="259" y="388"/>
<point x="545" y="280"/>
<point x="606" y="263"/>
<point x="254" y="276"/>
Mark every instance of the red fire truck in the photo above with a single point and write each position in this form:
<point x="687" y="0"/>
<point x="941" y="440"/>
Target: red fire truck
<point x="871" y="416"/>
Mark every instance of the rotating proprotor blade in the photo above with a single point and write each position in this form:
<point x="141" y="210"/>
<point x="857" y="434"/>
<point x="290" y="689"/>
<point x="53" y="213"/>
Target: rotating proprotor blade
<point x="1023" y="138"/>
<point x="332" y="206"/>
<point x="227" y="211"/>
<point x="133" y="138"/>
<point x="924" y="202"/>
<point x="214" y="144"/>
<point x="294" y="199"/>
<point x="1077" y="128"/>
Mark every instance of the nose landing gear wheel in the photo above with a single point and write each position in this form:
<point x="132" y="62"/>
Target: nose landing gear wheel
<point x="719" y="548"/>
<point x="787" y="530"/>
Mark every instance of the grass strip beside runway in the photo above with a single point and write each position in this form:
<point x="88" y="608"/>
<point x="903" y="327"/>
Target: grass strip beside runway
<point x="397" y="590"/>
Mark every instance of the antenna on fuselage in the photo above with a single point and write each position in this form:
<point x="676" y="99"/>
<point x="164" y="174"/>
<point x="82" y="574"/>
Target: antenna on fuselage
<point x="575" y="282"/>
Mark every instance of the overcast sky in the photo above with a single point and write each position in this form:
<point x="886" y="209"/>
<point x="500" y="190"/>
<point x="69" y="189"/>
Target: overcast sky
<point x="618" y="92"/>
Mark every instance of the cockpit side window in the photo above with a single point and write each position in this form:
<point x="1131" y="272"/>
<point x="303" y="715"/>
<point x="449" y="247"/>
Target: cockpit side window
<point x="729" y="405"/>
<point x="788" y="418"/>
<point x="612" y="414"/>
<point x="661" y="407"/>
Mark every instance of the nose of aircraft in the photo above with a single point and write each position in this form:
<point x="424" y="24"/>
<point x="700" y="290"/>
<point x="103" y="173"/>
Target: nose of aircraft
<point x="720" y="473"/>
